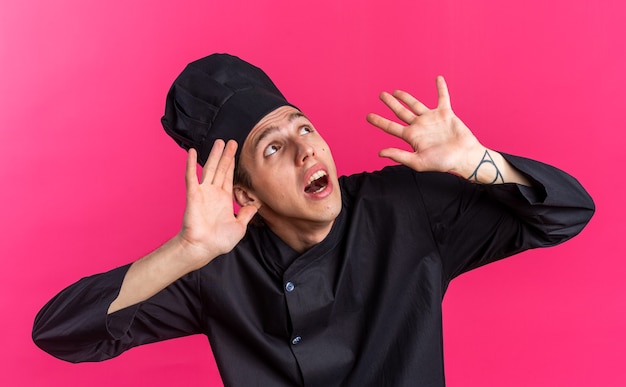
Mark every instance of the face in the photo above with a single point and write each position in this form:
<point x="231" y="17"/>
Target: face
<point x="293" y="174"/>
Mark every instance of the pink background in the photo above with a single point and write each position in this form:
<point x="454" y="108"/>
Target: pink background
<point x="90" y="181"/>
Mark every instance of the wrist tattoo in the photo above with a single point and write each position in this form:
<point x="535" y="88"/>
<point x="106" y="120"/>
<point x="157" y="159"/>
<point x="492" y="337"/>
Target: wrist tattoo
<point x="487" y="163"/>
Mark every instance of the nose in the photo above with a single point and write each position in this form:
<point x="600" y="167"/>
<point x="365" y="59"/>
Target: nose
<point x="305" y="150"/>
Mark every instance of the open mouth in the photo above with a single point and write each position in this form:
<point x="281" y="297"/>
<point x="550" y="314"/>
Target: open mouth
<point x="317" y="182"/>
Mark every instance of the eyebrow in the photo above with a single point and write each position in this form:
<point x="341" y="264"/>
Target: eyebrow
<point x="271" y="129"/>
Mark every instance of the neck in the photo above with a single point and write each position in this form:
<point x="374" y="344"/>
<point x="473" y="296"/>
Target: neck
<point x="301" y="237"/>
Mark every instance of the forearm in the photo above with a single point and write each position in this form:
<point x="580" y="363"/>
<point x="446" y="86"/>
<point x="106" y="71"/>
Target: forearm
<point x="486" y="166"/>
<point x="74" y="325"/>
<point x="553" y="209"/>
<point x="478" y="223"/>
<point x="154" y="272"/>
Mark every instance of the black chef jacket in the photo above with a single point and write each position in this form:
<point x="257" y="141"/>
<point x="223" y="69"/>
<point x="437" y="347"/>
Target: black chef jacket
<point x="361" y="308"/>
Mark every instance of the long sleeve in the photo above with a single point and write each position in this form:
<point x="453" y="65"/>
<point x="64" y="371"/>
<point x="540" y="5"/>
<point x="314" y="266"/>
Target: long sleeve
<point x="74" y="325"/>
<point x="477" y="224"/>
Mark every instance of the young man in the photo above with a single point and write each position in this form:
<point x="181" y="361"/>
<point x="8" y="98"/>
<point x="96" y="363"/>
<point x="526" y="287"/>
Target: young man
<point x="339" y="281"/>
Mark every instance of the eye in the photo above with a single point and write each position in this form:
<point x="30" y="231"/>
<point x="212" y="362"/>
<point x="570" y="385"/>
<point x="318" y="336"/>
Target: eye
<point x="270" y="150"/>
<point x="306" y="130"/>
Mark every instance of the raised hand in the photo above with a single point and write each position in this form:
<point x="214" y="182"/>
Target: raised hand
<point x="439" y="139"/>
<point x="210" y="227"/>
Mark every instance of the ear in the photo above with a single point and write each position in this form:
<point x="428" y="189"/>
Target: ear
<point x="245" y="197"/>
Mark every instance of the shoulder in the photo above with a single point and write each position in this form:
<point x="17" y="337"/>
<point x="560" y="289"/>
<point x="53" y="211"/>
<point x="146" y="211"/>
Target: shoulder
<point x="378" y="180"/>
<point x="399" y="181"/>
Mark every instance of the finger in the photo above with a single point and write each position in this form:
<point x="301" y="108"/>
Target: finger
<point x="386" y="125"/>
<point x="246" y="214"/>
<point x="208" y="172"/>
<point x="226" y="168"/>
<point x="397" y="108"/>
<point x="413" y="103"/>
<point x="444" y="96"/>
<point x="191" y="177"/>
<point x="410" y="159"/>
<point x="225" y="163"/>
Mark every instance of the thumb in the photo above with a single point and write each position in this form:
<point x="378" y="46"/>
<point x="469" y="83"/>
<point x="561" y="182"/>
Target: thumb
<point x="410" y="159"/>
<point x="246" y="214"/>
